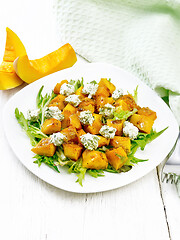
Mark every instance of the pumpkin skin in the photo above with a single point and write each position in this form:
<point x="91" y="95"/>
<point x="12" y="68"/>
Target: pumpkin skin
<point x="31" y="70"/>
<point x="13" y="49"/>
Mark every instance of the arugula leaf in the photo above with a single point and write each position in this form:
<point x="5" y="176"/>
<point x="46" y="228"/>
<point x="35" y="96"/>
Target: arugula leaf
<point x="135" y="96"/>
<point x="76" y="167"/>
<point x="24" y="124"/>
<point x="123" y="114"/>
<point x="94" y="82"/>
<point x="49" y="161"/>
<point x="143" y="138"/>
<point x="36" y="132"/>
<point x="43" y="101"/>
<point x="39" y="97"/>
<point x="77" y="83"/>
<point x="95" y="173"/>
<point x="124" y="168"/>
<point x="136" y="160"/>
<point x="109" y="79"/>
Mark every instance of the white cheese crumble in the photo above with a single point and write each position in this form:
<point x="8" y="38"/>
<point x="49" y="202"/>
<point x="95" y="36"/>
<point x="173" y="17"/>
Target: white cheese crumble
<point x="90" y="88"/>
<point x="90" y="141"/>
<point x="67" y="89"/>
<point x="33" y="115"/>
<point x="130" y="130"/>
<point x="73" y="99"/>
<point x="117" y="94"/>
<point x="54" y="112"/>
<point x="107" y="110"/>
<point x="57" y="138"/>
<point x="107" y="132"/>
<point x="86" y="117"/>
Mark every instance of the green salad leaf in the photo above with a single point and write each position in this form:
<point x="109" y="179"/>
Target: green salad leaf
<point x="123" y="114"/>
<point x="143" y="138"/>
<point x="77" y="83"/>
<point x="49" y="161"/>
<point x="43" y="101"/>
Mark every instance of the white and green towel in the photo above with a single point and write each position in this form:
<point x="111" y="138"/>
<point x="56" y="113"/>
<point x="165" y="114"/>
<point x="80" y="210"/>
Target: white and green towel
<point x="140" y="36"/>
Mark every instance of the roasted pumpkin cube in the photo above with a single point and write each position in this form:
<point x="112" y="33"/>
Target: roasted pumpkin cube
<point x="123" y="142"/>
<point x="72" y="151"/>
<point x="87" y="104"/>
<point x="79" y="134"/>
<point x="117" y="157"/>
<point x="70" y="134"/>
<point x="74" y="121"/>
<point x="79" y="92"/>
<point x="103" y="141"/>
<point x="58" y="101"/>
<point x="110" y="100"/>
<point x="96" y="126"/>
<point x="51" y="125"/>
<point x="118" y="124"/>
<point x="129" y="100"/>
<point x="67" y="112"/>
<point x="58" y="86"/>
<point x="147" y="112"/>
<point x="101" y="101"/>
<point x="94" y="160"/>
<point x="142" y="122"/>
<point x="121" y="105"/>
<point x="70" y="108"/>
<point x="108" y="84"/>
<point x="102" y="91"/>
<point x="44" y="147"/>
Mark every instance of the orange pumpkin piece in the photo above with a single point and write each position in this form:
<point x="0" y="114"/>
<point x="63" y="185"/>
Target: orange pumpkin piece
<point x="94" y="160"/>
<point x="72" y="151"/>
<point x="51" y="125"/>
<point x="70" y="134"/>
<point x="102" y="91"/>
<point x="103" y="141"/>
<point x="129" y="100"/>
<point x="117" y="157"/>
<point x="121" y="105"/>
<point x="142" y="122"/>
<point x="118" y="124"/>
<point x="75" y="122"/>
<point x="79" y="134"/>
<point x="67" y="112"/>
<point x="123" y="142"/>
<point x="87" y="104"/>
<point x="44" y="147"/>
<point x="79" y="92"/>
<point x="101" y="101"/>
<point x="31" y="70"/>
<point x="58" y="86"/>
<point x="110" y="86"/>
<point x="147" y="112"/>
<point x="96" y="126"/>
<point x="58" y="101"/>
<point x="13" y="49"/>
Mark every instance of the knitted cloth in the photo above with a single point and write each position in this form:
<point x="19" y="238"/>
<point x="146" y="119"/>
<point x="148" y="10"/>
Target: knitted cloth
<point x="140" y="36"/>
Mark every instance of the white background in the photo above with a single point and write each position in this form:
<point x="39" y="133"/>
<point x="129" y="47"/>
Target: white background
<point x="31" y="209"/>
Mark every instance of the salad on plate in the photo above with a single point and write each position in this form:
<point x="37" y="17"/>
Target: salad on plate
<point x="88" y="128"/>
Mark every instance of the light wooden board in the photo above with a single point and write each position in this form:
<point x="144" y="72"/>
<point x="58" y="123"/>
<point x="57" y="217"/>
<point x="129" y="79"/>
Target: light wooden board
<point x="31" y="209"/>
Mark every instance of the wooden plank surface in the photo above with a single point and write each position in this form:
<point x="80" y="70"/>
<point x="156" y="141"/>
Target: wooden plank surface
<point x="32" y="209"/>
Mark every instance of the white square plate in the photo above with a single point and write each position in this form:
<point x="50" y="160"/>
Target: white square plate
<point x="155" y="151"/>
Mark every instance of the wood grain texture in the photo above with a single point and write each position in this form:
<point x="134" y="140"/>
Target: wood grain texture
<point x="34" y="210"/>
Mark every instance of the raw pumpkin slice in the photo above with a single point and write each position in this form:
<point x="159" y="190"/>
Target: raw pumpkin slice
<point x="31" y="70"/>
<point x="13" y="49"/>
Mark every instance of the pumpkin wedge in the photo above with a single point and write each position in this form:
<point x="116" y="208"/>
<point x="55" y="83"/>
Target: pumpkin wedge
<point x="13" y="49"/>
<point x="31" y="70"/>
